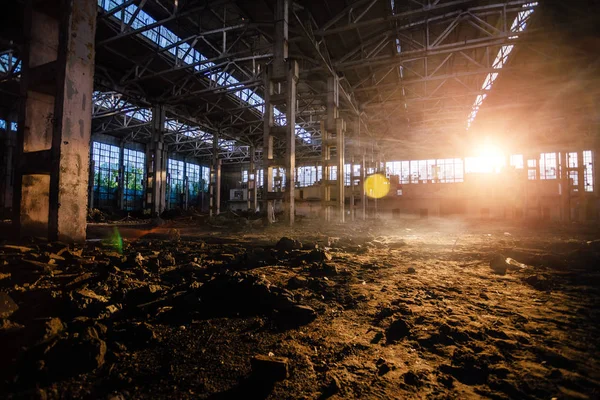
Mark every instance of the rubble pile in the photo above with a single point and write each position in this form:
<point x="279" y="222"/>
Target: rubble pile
<point x="297" y="314"/>
<point x="63" y="303"/>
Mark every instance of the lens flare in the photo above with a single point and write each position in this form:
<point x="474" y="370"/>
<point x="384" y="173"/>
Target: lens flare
<point x="115" y="241"/>
<point x="377" y="186"/>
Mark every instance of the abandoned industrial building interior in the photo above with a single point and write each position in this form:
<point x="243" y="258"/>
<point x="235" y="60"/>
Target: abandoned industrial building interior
<point x="278" y="199"/>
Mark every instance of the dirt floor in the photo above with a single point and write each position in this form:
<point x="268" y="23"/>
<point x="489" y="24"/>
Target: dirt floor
<point x="396" y="309"/>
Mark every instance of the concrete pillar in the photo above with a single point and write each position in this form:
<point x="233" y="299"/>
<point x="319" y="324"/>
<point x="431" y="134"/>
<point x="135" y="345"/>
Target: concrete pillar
<point x="156" y="165"/>
<point x="290" y="145"/>
<point x="214" y="189"/>
<point x="280" y="90"/>
<point x="332" y="136"/>
<point x="51" y="177"/>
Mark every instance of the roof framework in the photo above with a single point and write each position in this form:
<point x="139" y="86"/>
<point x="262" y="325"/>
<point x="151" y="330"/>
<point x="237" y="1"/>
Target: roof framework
<point x="410" y="71"/>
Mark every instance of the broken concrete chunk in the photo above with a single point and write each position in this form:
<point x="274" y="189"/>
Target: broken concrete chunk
<point x="92" y="295"/>
<point x="318" y="255"/>
<point x="7" y="305"/>
<point x="397" y="330"/>
<point x="20" y="249"/>
<point x="287" y="244"/>
<point x="74" y="355"/>
<point x="539" y="282"/>
<point x="297" y="282"/>
<point x="295" y="315"/>
<point x="269" y="368"/>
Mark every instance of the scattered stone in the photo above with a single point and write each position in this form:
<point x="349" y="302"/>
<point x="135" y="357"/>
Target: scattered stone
<point x="397" y="330"/>
<point x="287" y="244"/>
<point x="44" y="331"/>
<point x="382" y="367"/>
<point x="295" y="315"/>
<point x="86" y="293"/>
<point x="174" y="235"/>
<point x="269" y="368"/>
<point x="333" y="387"/>
<point x="538" y="282"/>
<point x="20" y="249"/>
<point x="318" y="256"/>
<point x="8" y="326"/>
<point x="323" y="270"/>
<point x="74" y="355"/>
<point x="166" y="259"/>
<point x="7" y="305"/>
<point x="134" y="334"/>
<point x="412" y="379"/>
<point x="499" y="264"/>
<point x="411" y="270"/>
<point x="297" y="282"/>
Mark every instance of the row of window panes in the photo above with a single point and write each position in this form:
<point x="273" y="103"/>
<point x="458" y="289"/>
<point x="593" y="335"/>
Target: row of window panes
<point x="197" y="182"/>
<point x="453" y="169"/>
<point x="13" y="125"/>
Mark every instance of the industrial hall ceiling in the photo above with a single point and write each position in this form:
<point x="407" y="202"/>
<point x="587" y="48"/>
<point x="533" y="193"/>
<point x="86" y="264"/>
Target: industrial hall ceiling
<point x="416" y="77"/>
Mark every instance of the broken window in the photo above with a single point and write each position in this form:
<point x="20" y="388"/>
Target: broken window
<point x="588" y="171"/>
<point x="572" y="170"/>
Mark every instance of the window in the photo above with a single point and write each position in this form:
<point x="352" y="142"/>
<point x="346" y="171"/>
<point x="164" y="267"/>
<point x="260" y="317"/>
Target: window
<point x="531" y="170"/>
<point x="588" y="171"/>
<point x="106" y="174"/>
<point x="245" y="175"/>
<point x="278" y="178"/>
<point x="306" y="176"/>
<point x="548" y="166"/>
<point x="194" y="184"/>
<point x="205" y="179"/>
<point x="572" y="170"/>
<point x="347" y="174"/>
<point x="516" y="160"/>
<point x="175" y="184"/>
<point x="2" y="124"/>
<point x="260" y="178"/>
<point x="133" y="164"/>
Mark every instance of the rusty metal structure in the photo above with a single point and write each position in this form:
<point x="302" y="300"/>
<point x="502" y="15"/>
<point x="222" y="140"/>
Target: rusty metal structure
<point x="278" y="83"/>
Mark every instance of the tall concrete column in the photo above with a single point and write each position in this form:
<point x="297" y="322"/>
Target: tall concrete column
<point x="156" y="165"/>
<point x="214" y="188"/>
<point x="280" y="90"/>
<point x="332" y="137"/>
<point x="53" y="145"/>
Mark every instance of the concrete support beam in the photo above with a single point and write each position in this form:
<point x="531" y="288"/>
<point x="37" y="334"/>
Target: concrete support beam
<point x="51" y="178"/>
<point x="156" y="165"/>
<point x="214" y="189"/>
<point x="332" y="132"/>
<point x="281" y="81"/>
